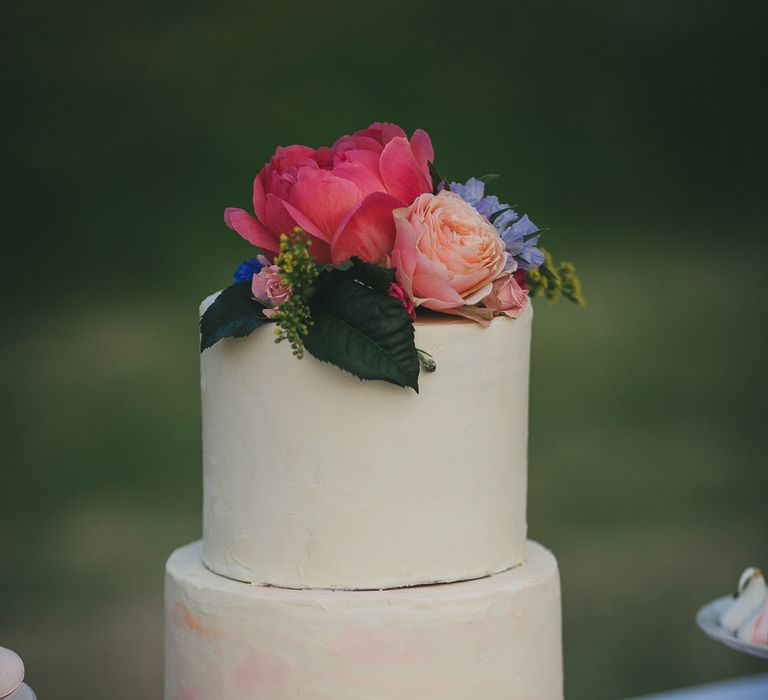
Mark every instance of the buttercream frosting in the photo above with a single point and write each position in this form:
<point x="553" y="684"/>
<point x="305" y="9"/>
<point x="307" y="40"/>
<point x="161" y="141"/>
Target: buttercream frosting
<point x="316" y="482"/>
<point x="496" y="638"/>
<point x="314" y="479"/>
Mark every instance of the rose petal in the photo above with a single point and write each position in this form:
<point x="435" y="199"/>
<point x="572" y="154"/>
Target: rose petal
<point x="383" y="132"/>
<point x="479" y="295"/>
<point x="434" y="291"/>
<point x="350" y="143"/>
<point x="260" y="196"/>
<point x="278" y="219"/>
<point x="430" y="280"/>
<point x="325" y="199"/>
<point x="283" y="218"/>
<point x="421" y="145"/>
<point x="474" y="313"/>
<point x="367" y="231"/>
<point x="250" y="229"/>
<point x="362" y="168"/>
<point x="403" y="256"/>
<point x="401" y="174"/>
<point x="289" y="156"/>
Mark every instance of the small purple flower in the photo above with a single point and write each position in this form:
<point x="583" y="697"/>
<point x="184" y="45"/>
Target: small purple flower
<point x="247" y="269"/>
<point x="473" y="192"/>
<point x="517" y="233"/>
<point x="522" y="249"/>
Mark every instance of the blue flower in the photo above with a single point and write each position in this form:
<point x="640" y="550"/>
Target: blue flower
<point x="522" y="249"/>
<point x="247" y="269"/>
<point x="517" y="233"/>
<point x="473" y="191"/>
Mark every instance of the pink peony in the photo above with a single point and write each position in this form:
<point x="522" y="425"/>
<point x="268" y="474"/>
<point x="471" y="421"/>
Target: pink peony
<point x="267" y="286"/>
<point x="342" y="196"/>
<point x="447" y="255"/>
<point x="397" y="292"/>
<point x="507" y="297"/>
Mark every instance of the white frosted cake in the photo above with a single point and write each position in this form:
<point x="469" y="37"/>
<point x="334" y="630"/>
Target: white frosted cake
<point x="330" y="504"/>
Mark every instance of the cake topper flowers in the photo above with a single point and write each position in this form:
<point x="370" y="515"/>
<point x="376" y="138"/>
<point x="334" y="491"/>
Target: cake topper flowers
<point x="354" y="239"/>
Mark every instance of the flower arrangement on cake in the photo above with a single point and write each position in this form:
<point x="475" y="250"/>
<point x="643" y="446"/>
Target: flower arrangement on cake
<point x="357" y="239"/>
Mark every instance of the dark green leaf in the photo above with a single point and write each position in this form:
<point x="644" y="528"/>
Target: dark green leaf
<point x="234" y="314"/>
<point x="549" y="272"/>
<point x="343" y="266"/>
<point x="374" y="276"/>
<point x="363" y="331"/>
<point x="492" y="218"/>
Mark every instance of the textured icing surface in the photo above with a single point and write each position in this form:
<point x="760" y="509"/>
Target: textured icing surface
<point x="496" y="638"/>
<point x="314" y="479"/>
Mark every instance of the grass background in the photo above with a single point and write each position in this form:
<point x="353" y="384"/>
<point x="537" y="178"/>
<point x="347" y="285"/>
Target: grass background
<point x="634" y="130"/>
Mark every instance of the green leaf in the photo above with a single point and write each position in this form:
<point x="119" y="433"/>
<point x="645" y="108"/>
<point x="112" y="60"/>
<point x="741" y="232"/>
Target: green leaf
<point x="376" y="277"/>
<point x="436" y="177"/>
<point x="234" y="314"/>
<point x="490" y="177"/>
<point x="344" y="265"/>
<point x="550" y="272"/>
<point x="363" y="331"/>
<point x="492" y="218"/>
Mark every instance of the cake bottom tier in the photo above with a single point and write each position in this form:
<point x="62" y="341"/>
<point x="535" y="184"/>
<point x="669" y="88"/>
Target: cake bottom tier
<point x="496" y="638"/>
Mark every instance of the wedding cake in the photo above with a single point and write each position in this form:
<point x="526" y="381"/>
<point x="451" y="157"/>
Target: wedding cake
<point x="362" y="541"/>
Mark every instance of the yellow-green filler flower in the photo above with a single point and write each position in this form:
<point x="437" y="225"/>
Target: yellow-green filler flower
<point x="298" y="273"/>
<point x="552" y="282"/>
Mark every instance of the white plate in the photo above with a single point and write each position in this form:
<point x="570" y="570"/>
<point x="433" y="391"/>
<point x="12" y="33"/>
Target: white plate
<point x="708" y="618"/>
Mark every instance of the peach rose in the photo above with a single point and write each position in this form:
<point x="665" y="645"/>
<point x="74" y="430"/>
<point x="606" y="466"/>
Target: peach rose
<point x="447" y="255"/>
<point x="507" y="297"/>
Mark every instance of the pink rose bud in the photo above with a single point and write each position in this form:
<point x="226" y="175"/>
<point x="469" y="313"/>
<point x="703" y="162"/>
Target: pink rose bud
<point x="268" y="287"/>
<point x="507" y="297"/>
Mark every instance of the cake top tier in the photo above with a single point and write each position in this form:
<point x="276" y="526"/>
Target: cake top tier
<point x="315" y="479"/>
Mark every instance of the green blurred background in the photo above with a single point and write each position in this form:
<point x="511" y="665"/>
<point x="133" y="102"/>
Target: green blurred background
<point x="634" y="130"/>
